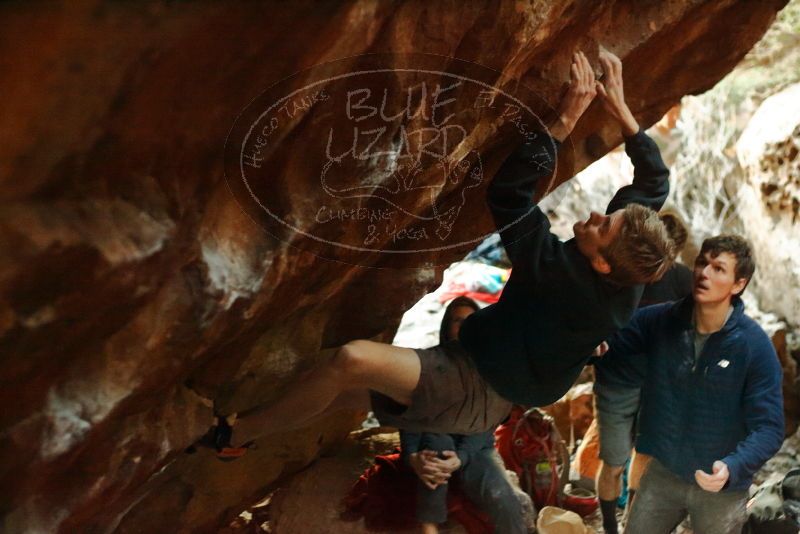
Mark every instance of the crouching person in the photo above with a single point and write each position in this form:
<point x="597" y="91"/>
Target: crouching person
<point x="712" y="410"/>
<point x="435" y="458"/>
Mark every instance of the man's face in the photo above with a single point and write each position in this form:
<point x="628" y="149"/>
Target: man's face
<point x="597" y="232"/>
<point x="715" y="278"/>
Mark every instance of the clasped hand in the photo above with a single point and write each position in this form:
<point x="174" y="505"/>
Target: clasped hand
<point x="433" y="470"/>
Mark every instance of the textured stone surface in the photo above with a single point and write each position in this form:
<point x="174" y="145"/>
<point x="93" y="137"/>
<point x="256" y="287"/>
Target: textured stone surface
<point x="127" y="269"/>
<point x="769" y="152"/>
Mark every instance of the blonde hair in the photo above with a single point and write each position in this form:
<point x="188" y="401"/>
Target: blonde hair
<point x="643" y="251"/>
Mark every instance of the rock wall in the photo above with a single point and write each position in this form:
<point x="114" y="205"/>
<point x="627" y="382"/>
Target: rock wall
<point x="731" y="158"/>
<point x="133" y="282"/>
<point x="768" y="151"/>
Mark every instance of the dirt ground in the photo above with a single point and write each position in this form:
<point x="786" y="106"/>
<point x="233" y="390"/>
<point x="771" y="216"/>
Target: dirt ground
<point x="311" y="501"/>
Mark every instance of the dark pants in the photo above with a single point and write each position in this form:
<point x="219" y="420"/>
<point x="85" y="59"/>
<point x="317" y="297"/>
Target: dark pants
<point x="483" y="482"/>
<point x="664" y="500"/>
<point x="432" y="504"/>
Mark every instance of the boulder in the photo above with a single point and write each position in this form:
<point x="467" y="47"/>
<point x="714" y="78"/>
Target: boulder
<point x="769" y="153"/>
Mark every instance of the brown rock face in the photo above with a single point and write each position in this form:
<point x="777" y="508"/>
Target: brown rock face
<point x="128" y="268"/>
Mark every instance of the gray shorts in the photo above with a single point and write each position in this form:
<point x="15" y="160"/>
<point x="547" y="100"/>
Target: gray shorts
<point x="616" y="409"/>
<point x="451" y="397"/>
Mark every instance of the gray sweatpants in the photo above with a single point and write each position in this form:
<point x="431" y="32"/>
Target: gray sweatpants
<point x="664" y="500"/>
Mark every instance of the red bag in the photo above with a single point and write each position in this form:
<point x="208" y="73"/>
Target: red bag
<point x="531" y="446"/>
<point x="385" y="496"/>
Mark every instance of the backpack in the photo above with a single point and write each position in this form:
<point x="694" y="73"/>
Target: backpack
<point x="532" y="447"/>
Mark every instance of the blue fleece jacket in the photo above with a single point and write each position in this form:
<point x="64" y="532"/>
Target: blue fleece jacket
<point x="725" y="405"/>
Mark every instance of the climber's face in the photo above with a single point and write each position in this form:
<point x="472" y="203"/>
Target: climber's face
<point x="595" y="234"/>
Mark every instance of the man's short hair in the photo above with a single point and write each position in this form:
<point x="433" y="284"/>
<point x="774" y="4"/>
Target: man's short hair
<point x="736" y="246"/>
<point x="643" y="250"/>
<point x="676" y="229"/>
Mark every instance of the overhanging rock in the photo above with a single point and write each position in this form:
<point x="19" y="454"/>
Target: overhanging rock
<point x="128" y="268"/>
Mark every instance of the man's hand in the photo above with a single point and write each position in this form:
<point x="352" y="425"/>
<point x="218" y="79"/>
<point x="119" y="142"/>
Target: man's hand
<point x="612" y="93"/>
<point x="450" y="463"/>
<point x="581" y="92"/>
<point x="431" y="470"/>
<point x="600" y="350"/>
<point x="713" y="482"/>
<point x="418" y="462"/>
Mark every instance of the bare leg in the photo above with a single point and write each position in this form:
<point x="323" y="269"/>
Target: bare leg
<point x="609" y="481"/>
<point x="353" y="400"/>
<point x="358" y="365"/>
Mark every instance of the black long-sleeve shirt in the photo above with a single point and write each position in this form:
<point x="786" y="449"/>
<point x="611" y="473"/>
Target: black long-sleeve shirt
<point x="614" y="372"/>
<point x="555" y="309"/>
